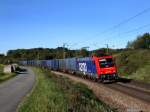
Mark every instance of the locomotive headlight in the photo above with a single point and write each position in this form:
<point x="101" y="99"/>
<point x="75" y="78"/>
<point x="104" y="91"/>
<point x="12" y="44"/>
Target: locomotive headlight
<point x="114" y="70"/>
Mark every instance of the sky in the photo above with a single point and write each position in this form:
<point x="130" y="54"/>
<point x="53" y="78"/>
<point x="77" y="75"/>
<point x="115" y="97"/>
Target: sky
<point x="78" y="23"/>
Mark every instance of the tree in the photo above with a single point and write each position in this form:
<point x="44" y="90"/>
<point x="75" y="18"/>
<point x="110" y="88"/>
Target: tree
<point x="2" y="55"/>
<point x="84" y="52"/>
<point x="141" y="42"/>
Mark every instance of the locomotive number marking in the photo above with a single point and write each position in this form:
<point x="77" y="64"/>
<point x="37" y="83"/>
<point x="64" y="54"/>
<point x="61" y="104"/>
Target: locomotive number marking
<point x="83" y="67"/>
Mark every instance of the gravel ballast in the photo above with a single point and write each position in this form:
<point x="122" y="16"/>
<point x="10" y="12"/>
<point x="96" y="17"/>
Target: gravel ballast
<point x="116" y="99"/>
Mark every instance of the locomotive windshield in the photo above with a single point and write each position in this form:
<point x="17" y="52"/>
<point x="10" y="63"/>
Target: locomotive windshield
<point x="108" y="62"/>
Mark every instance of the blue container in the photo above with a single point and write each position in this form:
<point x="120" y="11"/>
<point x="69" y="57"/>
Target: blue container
<point x="62" y="64"/>
<point x="43" y="63"/>
<point x="55" y="64"/>
<point x="30" y="62"/>
<point x="33" y="62"/>
<point x="40" y="63"/>
<point x="49" y="64"/>
<point x="37" y="62"/>
<point x="86" y="66"/>
<point x="70" y="64"/>
<point x="23" y="62"/>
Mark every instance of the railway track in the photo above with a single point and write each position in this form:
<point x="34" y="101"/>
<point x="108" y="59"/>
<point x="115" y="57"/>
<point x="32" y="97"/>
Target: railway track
<point x="132" y="88"/>
<point x="126" y="97"/>
<point x="135" y="92"/>
<point x="134" y="84"/>
<point x="138" y="90"/>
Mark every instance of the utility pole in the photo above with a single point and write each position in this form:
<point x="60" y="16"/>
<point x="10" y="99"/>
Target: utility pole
<point x="64" y="52"/>
<point x="76" y="50"/>
<point x="38" y="56"/>
<point x="86" y="47"/>
<point x="107" y="48"/>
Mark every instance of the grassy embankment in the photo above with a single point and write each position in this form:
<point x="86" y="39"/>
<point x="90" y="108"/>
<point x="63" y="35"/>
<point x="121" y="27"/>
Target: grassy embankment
<point x="5" y="76"/>
<point x="59" y="94"/>
<point x="134" y="64"/>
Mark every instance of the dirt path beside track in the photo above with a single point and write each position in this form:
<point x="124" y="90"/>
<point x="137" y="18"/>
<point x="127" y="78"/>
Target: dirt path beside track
<point x="116" y="99"/>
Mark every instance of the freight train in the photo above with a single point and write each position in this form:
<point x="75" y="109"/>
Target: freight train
<point x="97" y="68"/>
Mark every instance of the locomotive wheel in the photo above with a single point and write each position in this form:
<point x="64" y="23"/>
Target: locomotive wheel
<point x="95" y="79"/>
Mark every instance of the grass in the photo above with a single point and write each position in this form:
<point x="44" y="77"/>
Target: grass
<point x="59" y="94"/>
<point x="142" y="74"/>
<point x="134" y="64"/>
<point x="6" y="76"/>
<point x="1" y="68"/>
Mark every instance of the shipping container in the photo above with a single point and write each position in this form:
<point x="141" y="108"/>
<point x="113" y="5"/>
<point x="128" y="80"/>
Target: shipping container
<point x="62" y="65"/>
<point x="23" y="62"/>
<point x="55" y="64"/>
<point x="49" y="64"/>
<point x="71" y="64"/>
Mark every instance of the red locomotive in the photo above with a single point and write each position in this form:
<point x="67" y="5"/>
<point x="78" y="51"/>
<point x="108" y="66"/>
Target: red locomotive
<point x="106" y="68"/>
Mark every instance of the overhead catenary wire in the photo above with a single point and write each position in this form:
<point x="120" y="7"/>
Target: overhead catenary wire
<point x="126" y="32"/>
<point x="130" y="18"/>
<point x="126" y="21"/>
<point x="133" y="30"/>
<point x="130" y="31"/>
<point x="138" y="28"/>
<point x="119" y="24"/>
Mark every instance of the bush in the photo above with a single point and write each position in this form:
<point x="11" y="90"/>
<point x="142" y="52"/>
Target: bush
<point x="129" y="62"/>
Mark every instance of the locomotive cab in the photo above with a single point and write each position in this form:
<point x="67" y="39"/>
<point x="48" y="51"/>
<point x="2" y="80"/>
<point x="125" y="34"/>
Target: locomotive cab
<point x="106" y="68"/>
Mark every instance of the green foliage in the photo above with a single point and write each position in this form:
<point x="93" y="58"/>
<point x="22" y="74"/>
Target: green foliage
<point x="6" y="76"/>
<point x="142" y="73"/>
<point x="133" y="62"/>
<point x="84" y="53"/>
<point x="46" y="96"/>
<point x="58" y="94"/>
<point x="39" y="53"/>
<point x="1" y="68"/>
<point x="36" y="53"/>
<point x="2" y="55"/>
<point x="142" y="42"/>
<point x="42" y="54"/>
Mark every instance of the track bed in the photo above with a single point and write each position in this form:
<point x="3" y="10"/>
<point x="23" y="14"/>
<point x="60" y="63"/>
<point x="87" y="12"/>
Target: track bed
<point x="116" y="95"/>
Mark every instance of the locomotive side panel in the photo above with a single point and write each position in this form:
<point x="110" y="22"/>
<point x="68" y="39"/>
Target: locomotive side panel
<point x="86" y="66"/>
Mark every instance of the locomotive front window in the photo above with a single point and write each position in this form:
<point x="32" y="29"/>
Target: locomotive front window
<point x="108" y="62"/>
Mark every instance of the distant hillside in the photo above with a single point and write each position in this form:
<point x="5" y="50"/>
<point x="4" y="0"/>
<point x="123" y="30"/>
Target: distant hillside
<point x="134" y="64"/>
